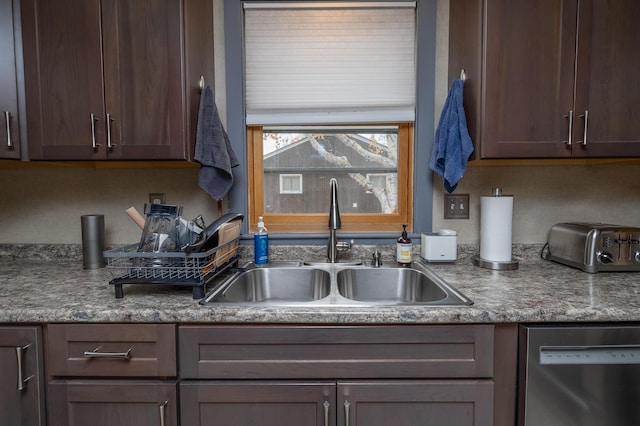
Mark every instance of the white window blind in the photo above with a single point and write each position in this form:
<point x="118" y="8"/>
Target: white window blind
<point x="329" y="62"/>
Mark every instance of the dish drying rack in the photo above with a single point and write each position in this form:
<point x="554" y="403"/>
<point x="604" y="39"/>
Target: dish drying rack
<point x="129" y="266"/>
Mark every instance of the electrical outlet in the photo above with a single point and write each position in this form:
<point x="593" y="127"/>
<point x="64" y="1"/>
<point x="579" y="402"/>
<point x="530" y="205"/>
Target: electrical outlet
<point x="157" y="198"/>
<point x="456" y="206"/>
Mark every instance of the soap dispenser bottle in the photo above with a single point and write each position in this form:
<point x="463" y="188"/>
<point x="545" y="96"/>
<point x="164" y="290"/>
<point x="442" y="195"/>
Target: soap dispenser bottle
<point x="404" y="249"/>
<point x="261" y="244"/>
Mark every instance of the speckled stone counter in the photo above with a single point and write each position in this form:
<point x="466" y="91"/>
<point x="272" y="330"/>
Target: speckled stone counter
<point x="55" y="288"/>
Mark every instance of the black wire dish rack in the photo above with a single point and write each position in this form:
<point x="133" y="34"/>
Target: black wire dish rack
<point x="196" y="269"/>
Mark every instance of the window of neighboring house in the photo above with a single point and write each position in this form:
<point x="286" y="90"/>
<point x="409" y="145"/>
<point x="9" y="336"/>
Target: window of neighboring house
<point x="379" y="181"/>
<point x="290" y="183"/>
<point x="311" y="71"/>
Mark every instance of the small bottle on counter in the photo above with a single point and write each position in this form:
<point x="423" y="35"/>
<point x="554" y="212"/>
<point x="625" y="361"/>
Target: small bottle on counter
<point x="261" y="244"/>
<point x="404" y="249"/>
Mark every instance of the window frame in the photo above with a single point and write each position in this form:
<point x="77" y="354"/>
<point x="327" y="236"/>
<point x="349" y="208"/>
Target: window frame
<point x="230" y="76"/>
<point x="317" y="222"/>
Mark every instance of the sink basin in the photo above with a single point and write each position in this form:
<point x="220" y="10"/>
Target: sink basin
<point x="336" y="284"/>
<point x="396" y="286"/>
<point x="274" y="285"/>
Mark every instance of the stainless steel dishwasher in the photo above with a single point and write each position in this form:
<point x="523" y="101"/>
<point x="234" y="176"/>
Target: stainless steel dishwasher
<point x="583" y="375"/>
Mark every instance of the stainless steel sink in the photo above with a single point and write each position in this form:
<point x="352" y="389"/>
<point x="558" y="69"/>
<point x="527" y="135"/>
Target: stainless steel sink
<point x="395" y="286"/>
<point x="275" y="286"/>
<point x="336" y="284"/>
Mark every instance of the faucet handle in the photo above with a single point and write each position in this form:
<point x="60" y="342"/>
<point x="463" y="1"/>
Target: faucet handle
<point x="345" y="245"/>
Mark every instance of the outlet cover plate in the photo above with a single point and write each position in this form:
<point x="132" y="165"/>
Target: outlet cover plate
<point x="456" y="206"/>
<point x="157" y="198"/>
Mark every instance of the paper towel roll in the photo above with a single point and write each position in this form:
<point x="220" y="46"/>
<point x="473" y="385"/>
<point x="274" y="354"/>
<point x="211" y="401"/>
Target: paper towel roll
<point x="496" y="223"/>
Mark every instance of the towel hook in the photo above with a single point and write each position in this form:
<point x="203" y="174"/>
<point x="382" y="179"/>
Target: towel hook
<point x="201" y="83"/>
<point x="463" y="75"/>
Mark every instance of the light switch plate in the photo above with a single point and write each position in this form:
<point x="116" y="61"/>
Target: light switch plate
<point x="456" y="206"/>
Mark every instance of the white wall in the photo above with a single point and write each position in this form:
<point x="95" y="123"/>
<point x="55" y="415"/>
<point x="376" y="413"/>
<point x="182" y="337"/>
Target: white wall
<point x="44" y="205"/>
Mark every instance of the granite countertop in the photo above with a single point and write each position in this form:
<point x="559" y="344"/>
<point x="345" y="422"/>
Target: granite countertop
<point x="60" y="290"/>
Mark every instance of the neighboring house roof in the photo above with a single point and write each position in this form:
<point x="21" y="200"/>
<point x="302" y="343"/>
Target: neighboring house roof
<point x="302" y="155"/>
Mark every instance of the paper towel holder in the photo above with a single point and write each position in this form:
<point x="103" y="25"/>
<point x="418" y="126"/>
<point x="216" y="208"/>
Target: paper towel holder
<point x="494" y="264"/>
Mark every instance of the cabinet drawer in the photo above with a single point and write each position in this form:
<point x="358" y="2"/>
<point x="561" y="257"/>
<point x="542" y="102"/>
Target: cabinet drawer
<point x="114" y="350"/>
<point x="311" y="352"/>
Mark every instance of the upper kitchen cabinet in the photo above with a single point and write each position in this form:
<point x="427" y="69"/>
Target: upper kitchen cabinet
<point x="115" y="79"/>
<point x="549" y="79"/>
<point x="9" y="135"/>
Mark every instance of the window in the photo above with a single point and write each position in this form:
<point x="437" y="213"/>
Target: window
<point x="291" y="184"/>
<point x="371" y="164"/>
<point x="379" y="181"/>
<point x="311" y="71"/>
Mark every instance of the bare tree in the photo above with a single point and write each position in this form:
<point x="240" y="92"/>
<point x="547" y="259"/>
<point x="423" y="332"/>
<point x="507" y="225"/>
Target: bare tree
<point x="388" y="196"/>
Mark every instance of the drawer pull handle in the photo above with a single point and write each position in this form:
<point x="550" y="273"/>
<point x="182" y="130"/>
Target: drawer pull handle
<point x="326" y="406"/>
<point x="163" y="409"/>
<point x="22" y="382"/>
<point x="114" y="355"/>
<point x="346" y="413"/>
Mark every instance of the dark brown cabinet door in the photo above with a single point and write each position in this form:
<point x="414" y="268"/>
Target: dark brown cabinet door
<point x="270" y="403"/>
<point x="551" y="73"/>
<point x="63" y="79"/>
<point x="9" y="135"/>
<point x="413" y="403"/>
<point x="21" y="377"/>
<point x="112" y="403"/>
<point x="104" y="78"/>
<point x="607" y="105"/>
<point x="384" y="403"/>
<point x="528" y="78"/>
<point x="143" y="79"/>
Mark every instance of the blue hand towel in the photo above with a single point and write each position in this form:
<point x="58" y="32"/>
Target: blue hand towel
<point x="452" y="147"/>
<point x="213" y="149"/>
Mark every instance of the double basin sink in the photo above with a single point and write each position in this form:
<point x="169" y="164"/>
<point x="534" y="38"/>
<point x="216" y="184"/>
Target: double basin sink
<point x="299" y="284"/>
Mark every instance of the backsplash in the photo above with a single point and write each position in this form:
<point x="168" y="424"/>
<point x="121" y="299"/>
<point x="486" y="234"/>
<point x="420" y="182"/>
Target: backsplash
<point x="44" y="205"/>
<point x="546" y="195"/>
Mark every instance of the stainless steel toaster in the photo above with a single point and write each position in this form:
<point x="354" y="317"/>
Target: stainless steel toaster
<point x="595" y="247"/>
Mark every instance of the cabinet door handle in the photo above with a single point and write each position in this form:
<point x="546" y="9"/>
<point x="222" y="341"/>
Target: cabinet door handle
<point x="109" y="120"/>
<point x="94" y="145"/>
<point x="326" y="406"/>
<point x="7" y="119"/>
<point x="22" y="382"/>
<point x="163" y="409"/>
<point x="585" y="116"/>
<point x="116" y="355"/>
<point x="346" y="413"/>
<point x="570" y="117"/>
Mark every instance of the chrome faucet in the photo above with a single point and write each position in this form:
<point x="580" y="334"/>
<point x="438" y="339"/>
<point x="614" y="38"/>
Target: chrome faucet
<point x="334" y="223"/>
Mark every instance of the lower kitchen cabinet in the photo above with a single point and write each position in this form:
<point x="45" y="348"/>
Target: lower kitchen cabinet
<point x="365" y="403"/>
<point x="112" y="403"/>
<point x="21" y="376"/>
<point x="269" y="403"/>
<point x="111" y="374"/>
<point x="416" y="402"/>
<point x="342" y="375"/>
